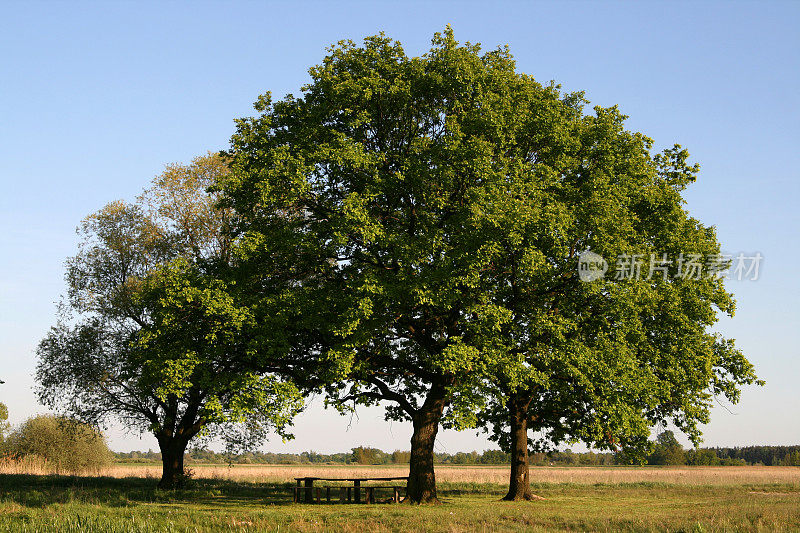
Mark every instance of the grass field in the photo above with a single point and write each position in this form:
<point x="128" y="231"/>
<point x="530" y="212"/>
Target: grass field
<point x="258" y="498"/>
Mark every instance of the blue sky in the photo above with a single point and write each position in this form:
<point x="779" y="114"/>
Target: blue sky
<point x="98" y="97"/>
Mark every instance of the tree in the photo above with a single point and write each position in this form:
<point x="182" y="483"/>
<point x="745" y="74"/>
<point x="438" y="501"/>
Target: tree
<point x="702" y="457"/>
<point x="667" y="450"/>
<point x="401" y="457"/>
<point x="67" y="445"/>
<point x="437" y="207"/>
<point x="155" y="333"/>
<point x="381" y="178"/>
<point x="368" y="456"/>
<point x="791" y="459"/>
<point x="602" y="360"/>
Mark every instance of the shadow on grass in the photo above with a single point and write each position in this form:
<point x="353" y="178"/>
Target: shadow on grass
<point x="42" y="491"/>
<point x="448" y="489"/>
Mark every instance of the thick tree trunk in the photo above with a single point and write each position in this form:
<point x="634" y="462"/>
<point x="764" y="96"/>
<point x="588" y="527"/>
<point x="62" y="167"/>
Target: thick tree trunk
<point x="421" y="486"/>
<point x="520" y="483"/>
<point x="173" y="475"/>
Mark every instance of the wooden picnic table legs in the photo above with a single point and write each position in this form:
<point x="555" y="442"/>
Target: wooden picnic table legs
<point x="304" y="492"/>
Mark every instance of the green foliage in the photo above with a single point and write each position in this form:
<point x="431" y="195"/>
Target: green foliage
<point x="702" y="457"/>
<point x="433" y="210"/>
<point x="368" y="456"/>
<point x="155" y="331"/>
<point x="495" y="457"/>
<point x="764" y="455"/>
<point x="400" y="457"/>
<point x="4" y="425"/>
<point x="384" y="177"/>
<point x="438" y="205"/>
<point x="67" y="445"/>
<point x="791" y="459"/>
<point x="667" y="450"/>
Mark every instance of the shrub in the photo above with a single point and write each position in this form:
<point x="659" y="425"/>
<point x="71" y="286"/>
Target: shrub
<point x="66" y="445"/>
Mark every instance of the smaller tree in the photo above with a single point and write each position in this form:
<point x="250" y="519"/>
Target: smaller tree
<point x="156" y="333"/>
<point x="67" y="445"/>
<point x="667" y="450"/>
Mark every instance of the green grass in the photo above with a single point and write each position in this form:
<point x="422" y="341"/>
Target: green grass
<point x="57" y="503"/>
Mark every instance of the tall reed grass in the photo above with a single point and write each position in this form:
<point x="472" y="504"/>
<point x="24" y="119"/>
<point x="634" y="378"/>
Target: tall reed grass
<point x="39" y="466"/>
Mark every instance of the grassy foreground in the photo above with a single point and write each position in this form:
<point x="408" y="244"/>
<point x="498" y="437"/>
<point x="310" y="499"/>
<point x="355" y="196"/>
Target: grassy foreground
<point x="61" y="503"/>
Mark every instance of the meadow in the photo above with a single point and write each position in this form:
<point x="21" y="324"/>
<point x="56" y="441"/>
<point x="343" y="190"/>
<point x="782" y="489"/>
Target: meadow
<point x="258" y="498"/>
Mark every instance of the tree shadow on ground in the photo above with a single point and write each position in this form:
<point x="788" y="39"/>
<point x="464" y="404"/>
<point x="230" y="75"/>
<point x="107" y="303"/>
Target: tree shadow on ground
<point x="42" y="491"/>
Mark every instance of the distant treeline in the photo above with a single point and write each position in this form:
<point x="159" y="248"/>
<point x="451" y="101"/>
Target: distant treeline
<point x="764" y="455"/>
<point x="361" y="455"/>
<point x="664" y="453"/>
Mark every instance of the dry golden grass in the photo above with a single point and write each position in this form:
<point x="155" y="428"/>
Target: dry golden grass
<point x="683" y="475"/>
<point x="728" y="475"/>
<point x="39" y="466"/>
<point x="30" y="464"/>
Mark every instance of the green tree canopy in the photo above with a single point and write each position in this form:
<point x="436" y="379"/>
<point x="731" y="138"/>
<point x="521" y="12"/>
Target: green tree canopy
<point x="433" y="210"/>
<point x="602" y="361"/>
<point x="155" y="333"/>
<point x="378" y="181"/>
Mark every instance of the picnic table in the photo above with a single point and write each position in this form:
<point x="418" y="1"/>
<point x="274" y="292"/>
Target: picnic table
<point x="306" y="485"/>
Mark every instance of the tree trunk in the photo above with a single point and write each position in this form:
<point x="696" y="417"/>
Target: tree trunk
<point x="520" y="483"/>
<point x="173" y="475"/>
<point x="421" y="486"/>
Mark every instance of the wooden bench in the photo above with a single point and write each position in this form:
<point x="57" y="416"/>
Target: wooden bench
<point x="369" y="492"/>
<point x="305" y="491"/>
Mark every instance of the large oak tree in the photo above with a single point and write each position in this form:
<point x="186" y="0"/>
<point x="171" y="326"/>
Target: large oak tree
<point x="433" y="209"/>
<point x="374" y="180"/>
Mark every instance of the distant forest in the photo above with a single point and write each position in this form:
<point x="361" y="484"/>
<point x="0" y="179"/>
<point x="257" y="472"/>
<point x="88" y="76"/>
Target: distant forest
<point x="661" y="455"/>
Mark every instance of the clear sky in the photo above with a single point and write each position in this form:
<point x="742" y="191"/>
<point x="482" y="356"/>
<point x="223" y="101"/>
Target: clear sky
<point x="96" y="97"/>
